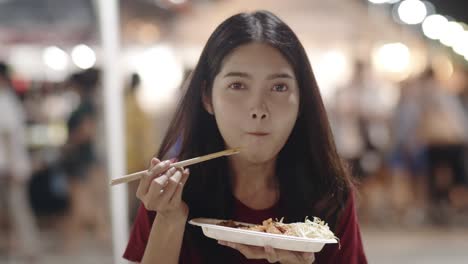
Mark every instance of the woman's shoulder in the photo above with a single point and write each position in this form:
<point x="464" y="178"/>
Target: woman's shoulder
<point x="350" y="248"/>
<point x="348" y="207"/>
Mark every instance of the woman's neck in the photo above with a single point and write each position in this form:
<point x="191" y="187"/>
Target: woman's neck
<point x="254" y="184"/>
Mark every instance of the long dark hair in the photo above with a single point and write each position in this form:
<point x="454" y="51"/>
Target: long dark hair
<point x="311" y="176"/>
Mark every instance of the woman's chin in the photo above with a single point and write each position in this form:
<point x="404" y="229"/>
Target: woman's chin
<point x="254" y="153"/>
<point x="256" y="156"/>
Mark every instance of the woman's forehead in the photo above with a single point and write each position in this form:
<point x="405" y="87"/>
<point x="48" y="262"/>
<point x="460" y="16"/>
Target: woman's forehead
<point x="256" y="57"/>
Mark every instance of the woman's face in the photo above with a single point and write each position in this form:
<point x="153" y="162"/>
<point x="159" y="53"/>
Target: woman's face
<point x="255" y="101"/>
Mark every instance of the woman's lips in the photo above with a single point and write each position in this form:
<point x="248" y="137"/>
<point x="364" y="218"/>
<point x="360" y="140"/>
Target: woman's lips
<point x="258" y="134"/>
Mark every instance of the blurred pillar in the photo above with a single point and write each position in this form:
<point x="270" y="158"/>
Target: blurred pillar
<point x="113" y="116"/>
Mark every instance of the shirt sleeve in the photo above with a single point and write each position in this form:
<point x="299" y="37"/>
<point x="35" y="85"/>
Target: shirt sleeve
<point x="139" y="235"/>
<point x="350" y="249"/>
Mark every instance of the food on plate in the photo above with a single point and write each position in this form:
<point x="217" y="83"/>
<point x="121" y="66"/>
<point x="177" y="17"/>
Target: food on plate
<point x="230" y="223"/>
<point x="316" y="229"/>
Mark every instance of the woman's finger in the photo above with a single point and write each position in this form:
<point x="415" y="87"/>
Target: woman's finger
<point x="308" y="257"/>
<point x="271" y="255"/>
<point x="294" y="256"/>
<point x="177" y="197"/>
<point x="250" y="252"/>
<point x="171" y="186"/>
<point x="153" y="162"/>
<point x="154" y="173"/>
<point x="145" y="181"/>
<point x="152" y="197"/>
<point x="159" y="168"/>
<point x="163" y="180"/>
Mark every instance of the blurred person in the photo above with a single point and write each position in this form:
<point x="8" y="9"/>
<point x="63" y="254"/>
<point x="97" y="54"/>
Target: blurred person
<point x="86" y="179"/>
<point x="141" y="137"/>
<point x="444" y="131"/>
<point x="347" y="128"/>
<point x="57" y="103"/>
<point x="408" y="155"/>
<point x="361" y="112"/>
<point x="33" y="104"/>
<point x="252" y="88"/>
<point x="15" y="171"/>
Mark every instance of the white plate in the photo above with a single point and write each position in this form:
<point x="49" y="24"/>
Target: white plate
<point x="255" y="238"/>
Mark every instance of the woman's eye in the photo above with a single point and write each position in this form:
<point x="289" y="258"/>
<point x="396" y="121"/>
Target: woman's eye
<point x="236" y="86"/>
<point x="280" y="88"/>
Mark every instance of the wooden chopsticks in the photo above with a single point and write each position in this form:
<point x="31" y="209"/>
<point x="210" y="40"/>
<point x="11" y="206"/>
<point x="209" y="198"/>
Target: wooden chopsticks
<point x="180" y="164"/>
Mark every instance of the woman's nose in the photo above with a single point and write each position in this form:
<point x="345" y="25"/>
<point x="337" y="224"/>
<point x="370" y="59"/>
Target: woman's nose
<point x="259" y="113"/>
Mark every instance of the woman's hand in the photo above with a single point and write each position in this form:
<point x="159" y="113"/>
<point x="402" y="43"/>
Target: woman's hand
<point x="271" y="254"/>
<point x="160" y="190"/>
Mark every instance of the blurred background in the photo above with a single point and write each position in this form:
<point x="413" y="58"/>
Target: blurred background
<point x="393" y="75"/>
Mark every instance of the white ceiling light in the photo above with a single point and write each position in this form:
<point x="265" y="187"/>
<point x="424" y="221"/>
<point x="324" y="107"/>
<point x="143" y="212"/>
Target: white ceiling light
<point x="451" y="33"/>
<point x="412" y="11"/>
<point x="83" y="57"/>
<point x="161" y="75"/>
<point x="55" y="58"/>
<point x="434" y="26"/>
<point x="461" y="44"/>
<point x="330" y="64"/>
<point x="392" y="58"/>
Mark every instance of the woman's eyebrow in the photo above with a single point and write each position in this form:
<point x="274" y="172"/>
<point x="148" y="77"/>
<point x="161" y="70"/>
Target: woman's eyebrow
<point x="238" y="74"/>
<point x="270" y="77"/>
<point x="280" y="76"/>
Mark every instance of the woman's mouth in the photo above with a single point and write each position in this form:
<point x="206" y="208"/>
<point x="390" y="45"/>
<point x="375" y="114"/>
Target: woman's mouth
<point x="258" y="134"/>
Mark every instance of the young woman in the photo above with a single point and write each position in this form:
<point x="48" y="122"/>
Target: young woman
<point x="253" y="88"/>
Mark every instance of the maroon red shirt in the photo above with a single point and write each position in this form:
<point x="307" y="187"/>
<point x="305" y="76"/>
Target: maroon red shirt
<point x="351" y="251"/>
